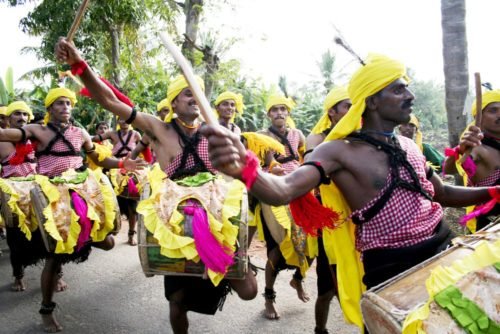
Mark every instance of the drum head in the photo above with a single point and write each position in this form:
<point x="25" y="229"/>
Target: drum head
<point x="118" y="217"/>
<point x="277" y="231"/>
<point x="40" y="202"/>
<point x="5" y="209"/>
<point x="376" y="316"/>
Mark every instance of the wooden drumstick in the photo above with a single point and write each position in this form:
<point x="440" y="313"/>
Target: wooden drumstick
<point x="77" y="20"/>
<point x="199" y="96"/>
<point x="479" y="111"/>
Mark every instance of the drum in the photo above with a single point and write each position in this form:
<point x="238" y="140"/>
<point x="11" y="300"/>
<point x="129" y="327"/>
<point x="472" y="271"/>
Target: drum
<point x="39" y="202"/>
<point x="154" y="263"/>
<point x="386" y="306"/>
<point x="5" y="211"/>
<point x="118" y="218"/>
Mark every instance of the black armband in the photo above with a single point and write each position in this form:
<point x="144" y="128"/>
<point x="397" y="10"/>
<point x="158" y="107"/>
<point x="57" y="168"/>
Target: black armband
<point x="323" y="178"/>
<point x="100" y="137"/>
<point x="91" y="150"/>
<point x="23" y="135"/>
<point x="143" y="143"/>
<point x="307" y="152"/>
<point x="429" y="173"/>
<point x="132" y="116"/>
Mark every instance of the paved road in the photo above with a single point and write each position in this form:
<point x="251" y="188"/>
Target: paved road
<point x="109" y="294"/>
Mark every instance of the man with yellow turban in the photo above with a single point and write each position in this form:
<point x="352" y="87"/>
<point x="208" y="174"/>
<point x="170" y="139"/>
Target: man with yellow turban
<point x="3" y="117"/>
<point x="412" y="130"/>
<point x="227" y="106"/>
<point x="481" y="168"/>
<point x="287" y="245"/>
<point x="387" y="200"/>
<point x="162" y="109"/>
<point x="183" y="181"/>
<point x="60" y="167"/>
<point x="335" y="106"/>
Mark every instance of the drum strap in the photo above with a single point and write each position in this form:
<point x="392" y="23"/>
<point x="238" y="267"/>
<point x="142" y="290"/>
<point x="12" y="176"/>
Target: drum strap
<point x="189" y="148"/>
<point x="397" y="161"/>
<point x="284" y="140"/>
<point x="59" y="135"/>
<point x="124" y="143"/>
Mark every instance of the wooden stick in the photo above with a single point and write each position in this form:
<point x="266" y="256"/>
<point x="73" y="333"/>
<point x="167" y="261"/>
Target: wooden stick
<point x="479" y="99"/>
<point x="479" y="110"/>
<point x="199" y="96"/>
<point x="77" y="20"/>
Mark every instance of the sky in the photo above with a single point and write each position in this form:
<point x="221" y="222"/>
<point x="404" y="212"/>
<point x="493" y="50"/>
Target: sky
<point x="288" y="37"/>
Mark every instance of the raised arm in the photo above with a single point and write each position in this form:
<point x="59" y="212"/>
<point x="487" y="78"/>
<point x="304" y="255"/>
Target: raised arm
<point x="16" y="135"/>
<point x="101" y="93"/>
<point x="104" y="136"/>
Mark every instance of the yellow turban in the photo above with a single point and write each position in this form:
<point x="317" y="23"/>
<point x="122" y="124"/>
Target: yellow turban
<point x="175" y="88"/>
<point x="19" y="105"/>
<point x="278" y="99"/>
<point x="377" y="74"/>
<point x="418" y="135"/>
<point x="56" y="93"/>
<point x="163" y="104"/>
<point x="3" y="111"/>
<point x="336" y="95"/>
<point x="488" y="97"/>
<point x="237" y="98"/>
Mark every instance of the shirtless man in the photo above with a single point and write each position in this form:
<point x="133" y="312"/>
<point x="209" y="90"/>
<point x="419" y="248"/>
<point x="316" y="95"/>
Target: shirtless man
<point x="396" y="227"/>
<point x="58" y="149"/>
<point x="484" y="148"/>
<point x="124" y="142"/>
<point x="170" y="141"/>
<point x="335" y="106"/>
<point x="278" y="111"/>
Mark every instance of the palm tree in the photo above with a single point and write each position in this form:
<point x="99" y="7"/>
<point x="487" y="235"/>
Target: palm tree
<point x="455" y="60"/>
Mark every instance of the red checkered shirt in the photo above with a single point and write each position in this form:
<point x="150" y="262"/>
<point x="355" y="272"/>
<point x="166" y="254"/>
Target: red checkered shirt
<point x="293" y="137"/>
<point x="488" y="181"/>
<point x="131" y="144"/>
<point x="50" y="165"/>
<point x="408" y="217"/>
<point x="21" y="170"/>
<point x="202" y="150"/>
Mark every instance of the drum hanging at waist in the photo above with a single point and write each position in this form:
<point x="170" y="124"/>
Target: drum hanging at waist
<point x="387" y="306"/>
<point x="155" y="263"/>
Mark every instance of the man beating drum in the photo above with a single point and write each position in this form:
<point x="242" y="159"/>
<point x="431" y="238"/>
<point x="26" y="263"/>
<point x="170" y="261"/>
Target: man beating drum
<point x="63" y="178"/>
<point x="377" y="180"/>
<point x="180" y="151"/>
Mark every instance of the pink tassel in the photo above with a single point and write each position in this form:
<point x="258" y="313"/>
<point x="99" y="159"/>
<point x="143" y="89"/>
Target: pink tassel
<point x="479" y="211"/>
<point x="132" y="188"/>
<point x="469" y="167"/>
<point x="81" y="209"/>
<point x="215" y="256"/>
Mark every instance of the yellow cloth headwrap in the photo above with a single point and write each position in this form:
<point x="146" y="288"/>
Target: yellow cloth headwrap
<point x="175" y="88"/>
<point x="488" y="97"/>
<point x="237" y="98"/>
<point x="163" y="104"/>
<point x="19" y="105"/>
<point x="279" y="99"/>
<point x="336" y="95"/>
<point x="3" y="111"/>
<point x="418" y="134"/>
<point x="378" y="73"/>
<point x="56" y="93"/>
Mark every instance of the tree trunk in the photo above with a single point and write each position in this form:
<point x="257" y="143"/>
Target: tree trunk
<point x="192" y="10"/>
<point x="115" y="55"/>
<point x="455" y="61"/>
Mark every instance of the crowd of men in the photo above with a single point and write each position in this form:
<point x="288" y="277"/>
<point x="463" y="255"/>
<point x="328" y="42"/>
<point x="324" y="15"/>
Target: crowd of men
<point x="364" y="161"/>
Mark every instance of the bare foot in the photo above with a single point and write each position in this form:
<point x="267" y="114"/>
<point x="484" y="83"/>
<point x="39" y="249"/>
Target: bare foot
<point x="61" y="285"/>
<point x="270" y="312"/>
<point x="131" y="240"/>
<point x="301" y="293"/>
<point x="50" y="324"/>
<point x="18" y="285"/>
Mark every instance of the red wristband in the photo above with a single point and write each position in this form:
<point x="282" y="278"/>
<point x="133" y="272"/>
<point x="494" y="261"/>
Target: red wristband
<point x="79" y="67"/>
<point x="120" y="163"/>
<point x="249" y="172"/>
<point x="493" y="191"/>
